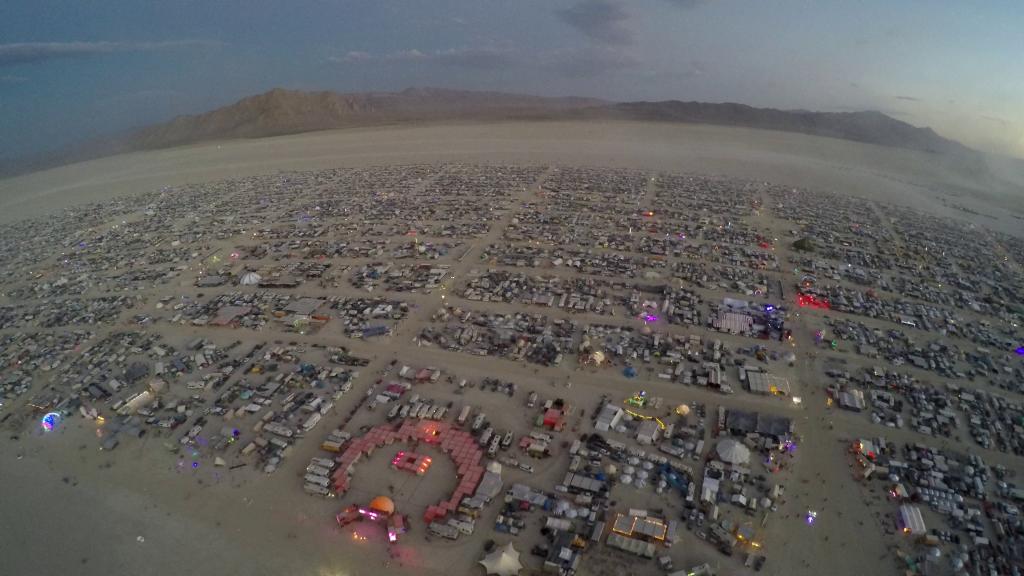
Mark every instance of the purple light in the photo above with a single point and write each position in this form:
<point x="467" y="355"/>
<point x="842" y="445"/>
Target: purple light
<point x="650" y="318"/>
<point x="50" y="421"/>
<point x="769" y="308"/>
<point x="392" y="537"/>
<point x="811" y="517"/>
<point x="1020" y="351"/>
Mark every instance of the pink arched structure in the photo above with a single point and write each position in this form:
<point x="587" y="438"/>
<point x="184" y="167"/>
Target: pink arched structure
<point x="459" y="445"/>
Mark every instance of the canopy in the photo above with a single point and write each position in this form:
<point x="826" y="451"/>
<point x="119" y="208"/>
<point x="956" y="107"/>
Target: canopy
<point x="503" y="561"/>
<point x="629" y="372"/>
<point x="250" y="279"/>
<point x="733" y="452"/>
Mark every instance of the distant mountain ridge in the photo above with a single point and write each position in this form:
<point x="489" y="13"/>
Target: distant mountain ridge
<point x="279" y="112"/>
<point x="282" y="111"/>
<point x="868" y="126"/>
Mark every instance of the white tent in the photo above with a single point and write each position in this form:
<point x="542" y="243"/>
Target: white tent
<point x="733" y="452"/>
<point x="503" y="561"/>
<point x="911" y="520"/>
<point x="250" y="279"/>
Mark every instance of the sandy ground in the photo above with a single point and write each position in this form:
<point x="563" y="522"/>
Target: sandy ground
<point x="68" y="509"/>
<point x="875" y="172"/>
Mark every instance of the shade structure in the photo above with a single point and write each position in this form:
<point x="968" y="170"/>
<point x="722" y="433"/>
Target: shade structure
<point x="733" y="452"/>
<point x="502" y="561"/>
<point x="250" y="279"/>
<point x="629" y="372"/>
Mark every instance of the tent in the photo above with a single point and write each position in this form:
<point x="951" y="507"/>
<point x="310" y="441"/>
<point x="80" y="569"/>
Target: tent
<point x="911" y="521"/>
<point x="250" y="279"/>
<point x="629" y="372"/>
<point x="502" y="561"/>
<point x="733" y="452"/>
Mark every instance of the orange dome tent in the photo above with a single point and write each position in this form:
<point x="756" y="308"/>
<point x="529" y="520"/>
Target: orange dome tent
<point x="382" y="504"/>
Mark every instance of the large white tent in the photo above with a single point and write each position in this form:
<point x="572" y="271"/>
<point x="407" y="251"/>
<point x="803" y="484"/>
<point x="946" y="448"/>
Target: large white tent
<point x="250" y="279"/>
<point x="733" y="452"/>
<point x="503" y="561"/>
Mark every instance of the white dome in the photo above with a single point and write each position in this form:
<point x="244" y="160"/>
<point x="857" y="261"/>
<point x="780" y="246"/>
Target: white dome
<point x="250" y="279"/>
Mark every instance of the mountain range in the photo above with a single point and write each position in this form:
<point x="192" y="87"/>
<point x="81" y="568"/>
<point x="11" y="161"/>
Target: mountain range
<point x="281" y="111"/>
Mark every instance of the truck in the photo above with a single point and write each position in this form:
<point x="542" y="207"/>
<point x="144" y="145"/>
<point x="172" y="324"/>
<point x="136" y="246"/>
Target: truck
<point x="486" y="436"/>
<point x="464" y="414"/>
<point x="316" y="489"/>
<point x="478" y="421"/>
<point x="318" y="470"/>
<point x="317" y="480"/>
<point x="323" y="462"/>
<point x="278" y="429"/>
<point x="443" y="530"/>
<point x="311" y="422"/>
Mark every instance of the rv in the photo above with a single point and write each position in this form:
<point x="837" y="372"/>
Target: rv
<point x="478" y="421"/>
<point x="318" y="470"/>
<point x="443" y="530"/>
<point x="318" y="480"/>
<point x="464" y="414"/>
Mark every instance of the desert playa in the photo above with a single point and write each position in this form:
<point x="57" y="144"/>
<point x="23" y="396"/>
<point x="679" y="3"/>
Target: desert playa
<point x="905" y="177"/>
<point x="720" y="310"/>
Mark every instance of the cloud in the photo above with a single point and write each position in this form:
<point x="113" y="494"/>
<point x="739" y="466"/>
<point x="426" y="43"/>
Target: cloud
<point x="37" y="52"/>
<point x="13" y="79"/>
<point x="1000" y="121"/>
<point x="479" y="58"/>
<point x="352" y="56"/>
<point x="688" y="4"/>
<point x="600" y="20"/>
<point x="908" y="98"/>
<point x="575" y="63"/>
<point x="590" y="62"/>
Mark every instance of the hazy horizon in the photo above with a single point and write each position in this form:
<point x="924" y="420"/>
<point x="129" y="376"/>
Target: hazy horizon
<point x="71" y="73"/>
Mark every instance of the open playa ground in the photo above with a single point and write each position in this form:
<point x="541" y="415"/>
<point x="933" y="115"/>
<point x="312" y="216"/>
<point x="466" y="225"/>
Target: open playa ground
<point x="905" y="177"/>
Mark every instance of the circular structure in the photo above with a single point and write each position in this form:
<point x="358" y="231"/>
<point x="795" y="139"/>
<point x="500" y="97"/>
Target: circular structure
<point x="682" y="410"/>
<point x="733" y="452"/>
<point x="383" y="504"/>
<point x="50" y="421"/>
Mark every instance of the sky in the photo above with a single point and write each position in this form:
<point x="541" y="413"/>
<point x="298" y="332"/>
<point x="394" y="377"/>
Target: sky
<point x="70" y="71"/>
